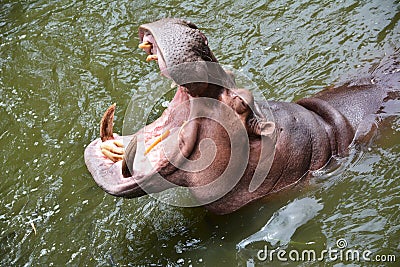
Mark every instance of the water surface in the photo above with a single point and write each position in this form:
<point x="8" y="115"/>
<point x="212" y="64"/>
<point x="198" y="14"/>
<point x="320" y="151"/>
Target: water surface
<point x="64" y="62"/>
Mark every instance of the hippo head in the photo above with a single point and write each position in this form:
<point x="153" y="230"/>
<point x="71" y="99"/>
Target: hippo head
<point x="209" y="139"/>
<point x="182" y="53"/>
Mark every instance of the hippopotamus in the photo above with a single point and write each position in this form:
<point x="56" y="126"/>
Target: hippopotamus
<point x="216" y="140"/>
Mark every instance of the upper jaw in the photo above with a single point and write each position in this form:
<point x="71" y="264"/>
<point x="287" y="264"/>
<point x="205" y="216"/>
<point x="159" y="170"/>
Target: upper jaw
<point x="192" y="77"/>
<point x="173" y="43"/>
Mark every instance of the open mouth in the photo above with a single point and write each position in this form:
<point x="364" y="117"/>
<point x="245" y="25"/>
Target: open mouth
<point x="157" y="142"/>
<point x="149" y="152"/>
<point x="160" y="147"/>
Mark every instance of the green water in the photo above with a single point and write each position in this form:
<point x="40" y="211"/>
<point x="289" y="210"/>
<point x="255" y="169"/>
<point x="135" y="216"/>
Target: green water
<point x="64" y="62"/>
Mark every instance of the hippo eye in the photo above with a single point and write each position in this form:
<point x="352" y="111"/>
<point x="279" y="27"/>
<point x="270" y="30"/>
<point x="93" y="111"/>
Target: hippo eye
<point x="239" y="104"/>
<point x="204" y="38"/>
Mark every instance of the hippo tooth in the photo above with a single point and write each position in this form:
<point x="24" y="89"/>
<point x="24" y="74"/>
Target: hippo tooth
<point x="158" y="140"/>
<point x="145" y="45"/>
<point x="151" y="57"/>
<point x="106" y="124"/>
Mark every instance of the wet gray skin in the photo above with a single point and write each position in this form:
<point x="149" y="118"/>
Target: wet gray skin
<point x="308" y="132"/>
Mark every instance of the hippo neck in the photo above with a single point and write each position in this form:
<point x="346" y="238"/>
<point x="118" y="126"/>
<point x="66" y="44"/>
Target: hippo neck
<point x="337" y="126"/>
<point x="310" y="132"/>
<point x="304" y="143"/>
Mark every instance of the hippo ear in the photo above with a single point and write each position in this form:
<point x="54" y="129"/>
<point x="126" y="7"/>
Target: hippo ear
<point x="266" y="127"/>
<point x="260" y="127"/>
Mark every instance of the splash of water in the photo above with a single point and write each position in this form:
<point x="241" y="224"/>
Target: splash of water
<point x="284" y="223"/>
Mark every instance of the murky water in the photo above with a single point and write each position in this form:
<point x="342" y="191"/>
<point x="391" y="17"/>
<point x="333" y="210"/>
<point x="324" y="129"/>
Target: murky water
<point x="62" y="64"/>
